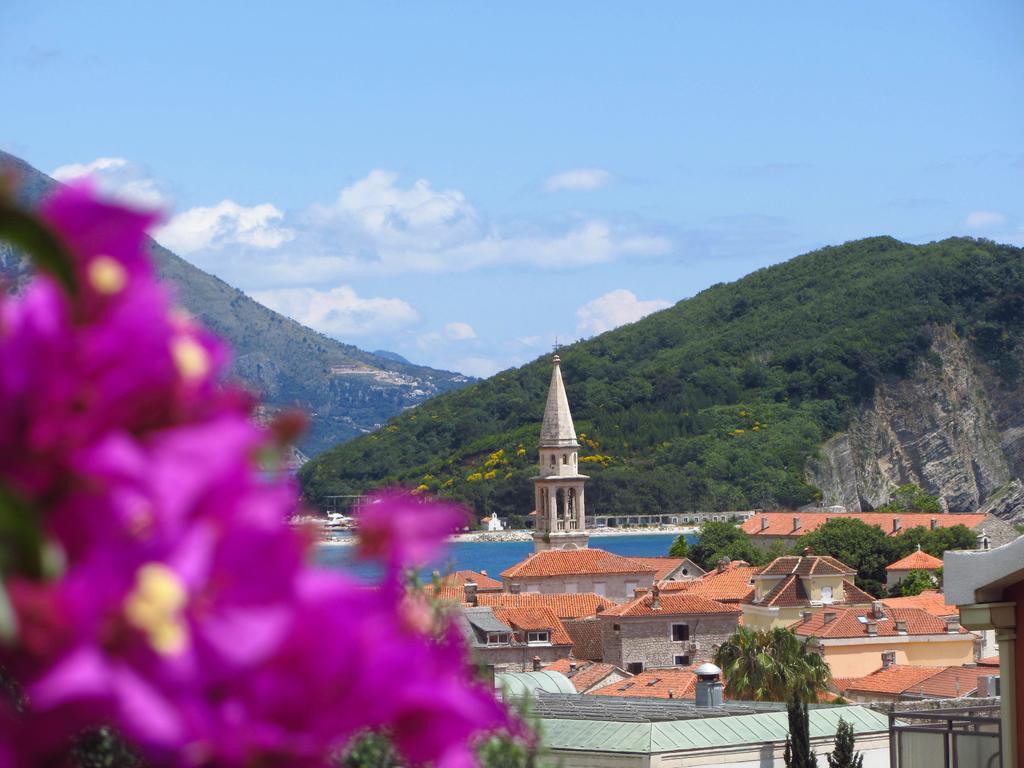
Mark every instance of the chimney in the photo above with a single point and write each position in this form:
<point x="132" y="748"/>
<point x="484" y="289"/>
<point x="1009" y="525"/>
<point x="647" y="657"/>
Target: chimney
<point x="796" y="523"/>
<point x="483" y="572"/>
<point x="888" y="659"/>
<point x="572" y="665"/>
<point x="470" y="592"/>
<point x="934" y="522"/>
<point x="536" y="663"/>
<point x="709" y="686"/>
<point x="655" y="597"/>
<point x="514" y="589"/>
<point x="671" y="693"/>
<point x="872" y="629"/>
<point x="896" y="524"/>
<point x="901" y="626"/>
<point x="877" y="610"/>
<point x="806" y="552"/>
<point x="764" y="522"/>
<point x="723" y="564"/>
<point x="828" y="617"/>
<point x="953" y="626"/>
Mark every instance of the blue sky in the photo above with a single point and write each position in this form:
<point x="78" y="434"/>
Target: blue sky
<point x="462" y="183"/>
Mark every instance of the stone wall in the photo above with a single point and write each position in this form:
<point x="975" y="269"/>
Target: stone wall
<point x="616" y="586"/>
<point x="649" y="640"/>
<point x="518" y="658"/>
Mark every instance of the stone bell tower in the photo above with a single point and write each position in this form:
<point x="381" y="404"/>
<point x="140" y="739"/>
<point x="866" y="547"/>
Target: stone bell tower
<point x="558" y="486"/>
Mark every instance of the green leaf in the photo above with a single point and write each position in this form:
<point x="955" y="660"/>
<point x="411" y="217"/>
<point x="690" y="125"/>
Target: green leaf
<point x="22" y="547"/>
<point x="27" y="233"/>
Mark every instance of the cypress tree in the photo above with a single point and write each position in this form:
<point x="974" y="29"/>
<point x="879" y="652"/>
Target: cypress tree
<point x="843" y="755"/>
<point x="798" y="752"/>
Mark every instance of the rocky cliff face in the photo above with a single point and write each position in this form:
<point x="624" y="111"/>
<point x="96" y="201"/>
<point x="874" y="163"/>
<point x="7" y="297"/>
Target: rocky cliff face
<point x="953" y="428"/>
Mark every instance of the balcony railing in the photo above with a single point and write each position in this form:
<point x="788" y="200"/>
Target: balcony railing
<point x="945" y="738"/>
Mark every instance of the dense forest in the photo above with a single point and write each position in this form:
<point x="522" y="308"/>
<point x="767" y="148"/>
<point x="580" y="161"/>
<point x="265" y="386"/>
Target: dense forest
<point x="715" y="403"/>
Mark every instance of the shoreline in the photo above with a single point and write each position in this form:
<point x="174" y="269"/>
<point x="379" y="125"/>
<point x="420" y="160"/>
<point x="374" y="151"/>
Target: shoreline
<point x="497" y="537"/>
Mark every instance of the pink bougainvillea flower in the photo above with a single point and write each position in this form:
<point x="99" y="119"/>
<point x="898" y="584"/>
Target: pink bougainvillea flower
<point x="396" y="526"/>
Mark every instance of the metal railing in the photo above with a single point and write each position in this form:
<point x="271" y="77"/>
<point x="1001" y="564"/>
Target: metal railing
<point x="945" y="738"/>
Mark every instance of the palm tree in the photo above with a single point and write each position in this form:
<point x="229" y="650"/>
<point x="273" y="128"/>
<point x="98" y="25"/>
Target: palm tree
<point x="771" y="665"/>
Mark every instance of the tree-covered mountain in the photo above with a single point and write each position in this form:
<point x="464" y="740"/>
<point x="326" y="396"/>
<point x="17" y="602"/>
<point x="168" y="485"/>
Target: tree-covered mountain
<point x="346" y="391"/>
<point x="725" y="400"/>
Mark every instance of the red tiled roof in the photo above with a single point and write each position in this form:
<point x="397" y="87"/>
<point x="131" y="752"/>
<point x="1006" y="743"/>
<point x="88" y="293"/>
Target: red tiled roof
<point x="483" y="581"/>
<point x="447" y="594"/>
<point x="807" y="565"/>
<point x="847" y="624"/>
<point x="571" y="562"/>
<point x="916" y="560"/>
<point x="586" y="638"/>
<point x="654" y="683"/>
<point x="565" y="605"/>
<point x="989" y="661"/>
<point x="931" y="600"/>
<point x="671" y="604"/>
<point x="663" y="566"/>
<point x="790" y="592"/>
<point x="729" y="586"/>
<point x="938" y="682"/>
<point x="781" y="523"/>
<point x="586" y="675"/>
<point x="532" y="619"/>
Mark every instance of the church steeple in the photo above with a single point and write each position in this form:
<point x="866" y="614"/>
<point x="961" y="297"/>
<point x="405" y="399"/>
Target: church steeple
<point x="558" y="486"/>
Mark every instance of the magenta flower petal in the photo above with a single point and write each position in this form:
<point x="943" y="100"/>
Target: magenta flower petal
<point x="398" y="526"/>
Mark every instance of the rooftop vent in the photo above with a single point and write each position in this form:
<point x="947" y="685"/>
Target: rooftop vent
<point x="872" y="629"/>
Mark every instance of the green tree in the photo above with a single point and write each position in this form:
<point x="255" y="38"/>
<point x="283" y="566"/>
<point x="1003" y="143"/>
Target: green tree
<point x="798" y="753"/>
<point x="916" y="582"/>
<point x="843" y="754"/>
<point x="771" y="665"/>
<point x="717" y="540"/>
<point x="934" y="542"/>
<point x="680" y="547"/>
<point x="911" y="498"/>
<point x="863" y="547"/>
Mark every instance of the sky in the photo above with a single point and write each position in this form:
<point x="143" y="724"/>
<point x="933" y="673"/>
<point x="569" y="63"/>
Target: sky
<point x="463" y="184"/>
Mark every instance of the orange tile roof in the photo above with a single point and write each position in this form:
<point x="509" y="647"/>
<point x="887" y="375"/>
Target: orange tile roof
<point x="781" y="523"/>
<point x="586" y="638"/>
<point x="847" y="623"/>
<point x="916" y="560"/>
<point x="671" y="604"/>
<point x="572" y="562"/>
<point x="447" y="594"/>
<point x="790" y="592"/>
<point x="654" y="683"/>
<point x="731" y="585"/>
<point x="989" y="661"/>
<point x="931" y="600"/>
<point x="483" y="581"/>
<point x="532" y="619"/>
<point x="938" y="682"/>
<point x="565" y="605"/>
<point x="586" y="674"/>
<point x="807" y="565"/>
<point x="663" y="566"/>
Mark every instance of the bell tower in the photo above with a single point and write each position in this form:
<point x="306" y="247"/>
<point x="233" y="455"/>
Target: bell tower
<point x="558" y="486"/>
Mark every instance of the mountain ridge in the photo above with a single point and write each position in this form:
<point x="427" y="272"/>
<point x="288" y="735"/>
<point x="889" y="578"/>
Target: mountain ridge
<point x="346" y="390"/>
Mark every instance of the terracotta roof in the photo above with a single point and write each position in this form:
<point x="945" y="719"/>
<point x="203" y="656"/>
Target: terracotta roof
<point x="807" y="565"/>
<point x="936" y="682"/>
<point x="532" y="619"/>
<point x="447" y="594"/>
<point x="781" y="523"/>
<point x="571" y="562"/>
<point x="586" y="675"/>
<point x="931" y="600"/>
<point x="654" y="683"/>
<point x="671" y="604"/>
<point x="729" y="586"/>
<point x="586" y="638"/>
<point x="565" y="605"/>
<point x="894" y="679"/>
<point x="790" y="592"/>
<point x="989" y="661"/>
<point x="916" y="560"/>
<point x="847" y="623"/>
<point x="483" y="581"/>
<point x="663" y="566"/>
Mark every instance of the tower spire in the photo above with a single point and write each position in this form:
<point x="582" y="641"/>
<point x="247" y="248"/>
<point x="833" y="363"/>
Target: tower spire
<point x="557" y="430"/>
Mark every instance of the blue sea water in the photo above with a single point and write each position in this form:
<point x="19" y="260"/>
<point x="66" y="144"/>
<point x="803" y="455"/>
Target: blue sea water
<point x="495" y="556"/>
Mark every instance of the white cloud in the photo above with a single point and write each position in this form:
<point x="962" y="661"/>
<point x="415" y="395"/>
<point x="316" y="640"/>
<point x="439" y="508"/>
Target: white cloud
<point x="459" y="331"/>
<point x="578" y="179"/>
<point x="119" y="178"/>
<point x="614" y="309"/>
<point x="984" y="219"/>
<point x="340" y="311"/>
<point x="482" y="367"/>
<point x="226" y="223"/>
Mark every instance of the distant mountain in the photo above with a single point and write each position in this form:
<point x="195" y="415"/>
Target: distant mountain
<point x="832" y="378"/>
<point x="393" y="356"/>
<point x="347" y="391"/>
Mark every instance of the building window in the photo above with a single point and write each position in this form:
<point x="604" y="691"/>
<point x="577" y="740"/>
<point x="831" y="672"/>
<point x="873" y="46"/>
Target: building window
<point x="631" y="588"/>
<point x="826" y="594"/>
<point x="680" y="632"/>
<point x="533" y="588"/>
<point x="538" y="638"/>
<point x="552" y="459"/>
<point x="635" y="667"/>
<point x="565" y="458"/>
<point x="682" y="661"/>
<point x="571" y="587"/>
<point x="599" y="588"/>
<point x="497" y="638"/>
<point x="615" y="627"/>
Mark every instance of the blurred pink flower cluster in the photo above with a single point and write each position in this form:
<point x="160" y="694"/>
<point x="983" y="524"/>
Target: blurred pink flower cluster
<point x="179" y="606"/>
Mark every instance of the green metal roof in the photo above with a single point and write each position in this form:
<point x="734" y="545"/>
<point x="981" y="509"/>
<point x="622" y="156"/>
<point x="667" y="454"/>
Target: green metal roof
<point x="706" y="733"/>
<point x="521" y="684"/>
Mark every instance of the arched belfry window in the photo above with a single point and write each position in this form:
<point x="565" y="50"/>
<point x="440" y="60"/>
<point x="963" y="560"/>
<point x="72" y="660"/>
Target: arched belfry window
<point x="552" y="459"/>
<point x="565" y="458"/>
